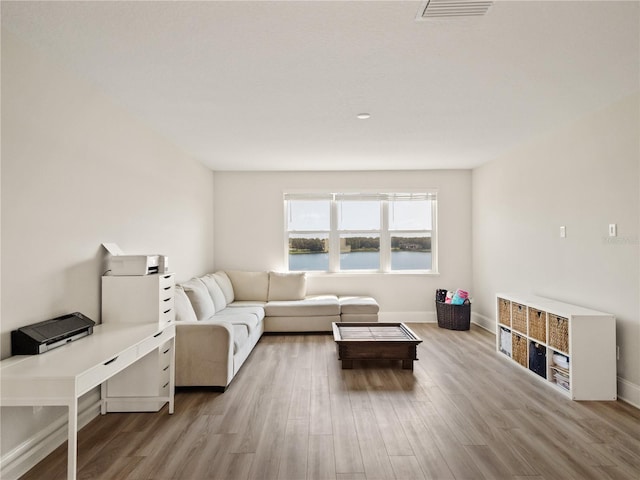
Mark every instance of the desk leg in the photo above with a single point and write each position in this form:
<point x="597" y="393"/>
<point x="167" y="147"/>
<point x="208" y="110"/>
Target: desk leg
<point x="103" y="398"/>
<point x="172" y="375"/>
<point x="72" y="440"/>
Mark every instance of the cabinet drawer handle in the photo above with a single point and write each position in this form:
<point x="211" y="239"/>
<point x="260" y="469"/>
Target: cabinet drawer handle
<point x="158" y="334"/>
<point x="110" y="361"/>
<point x="166" y="299"/>
<point x="166" y="351"/>
<point x="167" y="276"/>
<point x="165" y="385"/>
<point x="167" y="288"/>
<point x="167" y="311"/>
<point x="165" y="368"/>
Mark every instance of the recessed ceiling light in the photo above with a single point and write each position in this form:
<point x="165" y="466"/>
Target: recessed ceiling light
<point x="363" y="116"/>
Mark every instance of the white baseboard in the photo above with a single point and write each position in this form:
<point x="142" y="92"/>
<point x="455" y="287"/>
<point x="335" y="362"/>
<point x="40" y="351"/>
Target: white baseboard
<point x="629" y="392"/>
<point x="31" y="451"/>
<point x="489" y="324"/>
<point x="407" y="317"/>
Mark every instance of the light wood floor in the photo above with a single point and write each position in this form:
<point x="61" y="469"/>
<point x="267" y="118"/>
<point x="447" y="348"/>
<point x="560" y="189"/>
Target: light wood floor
<point x="292" y="413"/>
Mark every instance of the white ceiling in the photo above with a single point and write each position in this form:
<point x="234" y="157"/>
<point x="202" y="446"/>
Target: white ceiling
<point x="277" y="85"/>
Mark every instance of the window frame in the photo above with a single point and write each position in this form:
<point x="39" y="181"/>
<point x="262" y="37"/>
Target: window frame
<point x="384" y="232"/>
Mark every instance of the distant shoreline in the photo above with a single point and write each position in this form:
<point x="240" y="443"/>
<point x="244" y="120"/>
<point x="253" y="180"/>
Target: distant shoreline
<point x="360" y="250"/>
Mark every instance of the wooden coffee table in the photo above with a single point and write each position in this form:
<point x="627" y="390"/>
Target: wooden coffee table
<point x="375" y="341"/>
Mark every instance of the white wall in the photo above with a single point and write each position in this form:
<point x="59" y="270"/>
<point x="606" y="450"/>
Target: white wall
<point x="77" y="171"/>
<point x="584" y="177"/>
<point x="249" y="234"/>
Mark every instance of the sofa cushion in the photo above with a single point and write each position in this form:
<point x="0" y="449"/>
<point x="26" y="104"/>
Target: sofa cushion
<point x="311" y="306"/>
<point x="240" y="336"/>
<point x="359" y="317"/>
<point x="184" y="310"/>
<point x="249" y="319"/>
<point x="219" y="300"/>
<point x="287" y="286"/>
<point x="320" y="323"/>
<point x="249" y="285"/>
<point x="247" y="303"/>
<point x="234" y="309"/>
<point x="200" y="299"/>
<point x="359" y="305"/>
<point x="225" y="285"/>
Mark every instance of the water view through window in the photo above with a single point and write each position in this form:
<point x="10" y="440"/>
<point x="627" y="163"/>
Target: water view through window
<point x="360" y="261"/>
<point x="361" y="231"/>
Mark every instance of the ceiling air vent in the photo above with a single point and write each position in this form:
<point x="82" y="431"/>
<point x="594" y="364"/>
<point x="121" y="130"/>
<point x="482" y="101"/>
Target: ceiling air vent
<point x="452" y="8"/>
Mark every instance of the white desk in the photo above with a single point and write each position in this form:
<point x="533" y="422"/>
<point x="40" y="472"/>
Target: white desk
<point x="63" y="375"/>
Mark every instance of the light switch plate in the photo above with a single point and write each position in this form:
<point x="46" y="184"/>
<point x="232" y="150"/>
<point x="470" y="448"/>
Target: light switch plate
<point x="613" y="230"/>
<point x="563" y="231"/>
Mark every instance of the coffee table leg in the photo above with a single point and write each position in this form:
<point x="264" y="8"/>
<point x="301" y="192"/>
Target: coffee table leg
<point x="347" y="364"/>
<point x="407" y="364"/>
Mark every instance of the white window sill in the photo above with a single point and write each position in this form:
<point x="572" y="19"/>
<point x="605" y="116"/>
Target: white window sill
<point x="361" y="273"/>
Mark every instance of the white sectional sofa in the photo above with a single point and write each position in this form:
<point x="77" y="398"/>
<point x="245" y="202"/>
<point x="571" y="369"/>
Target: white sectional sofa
<point x="221" y="316"/>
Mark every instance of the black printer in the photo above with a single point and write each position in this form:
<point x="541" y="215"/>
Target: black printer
<point x="44" y="336"/>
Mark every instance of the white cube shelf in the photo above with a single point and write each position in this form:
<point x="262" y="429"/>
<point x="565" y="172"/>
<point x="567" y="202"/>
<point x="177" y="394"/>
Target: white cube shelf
<point x="539" y="333"/>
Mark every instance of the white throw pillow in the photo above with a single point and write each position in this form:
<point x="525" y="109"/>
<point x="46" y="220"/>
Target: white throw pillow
<point x="200" y="299"/>
<point x="287" y="286"/>
<point x="219" y="301"/>
<point x="184" y="310"/>
<point x="249" y="285"/>
<point x="225" y="285"/>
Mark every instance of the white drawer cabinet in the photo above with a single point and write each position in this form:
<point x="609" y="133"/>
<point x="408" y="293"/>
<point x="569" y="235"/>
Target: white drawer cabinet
<point x="571" y="348"/>
<point x="138" y="299"/>
<point x="137" y="388"/>
<point x="144" y="386"/>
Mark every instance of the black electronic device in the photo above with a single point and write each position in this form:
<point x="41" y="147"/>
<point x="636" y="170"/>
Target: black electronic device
<point x="44" y="336"/>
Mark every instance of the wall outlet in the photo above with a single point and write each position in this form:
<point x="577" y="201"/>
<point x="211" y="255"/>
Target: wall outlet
<point x="563" y="231"/>
<point x="613" y="230"/>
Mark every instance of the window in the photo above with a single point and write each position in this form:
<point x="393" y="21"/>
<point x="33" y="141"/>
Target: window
<point x="380" y="232"/>
<point x="309" y="225"/>
<point x="359" y="232"/>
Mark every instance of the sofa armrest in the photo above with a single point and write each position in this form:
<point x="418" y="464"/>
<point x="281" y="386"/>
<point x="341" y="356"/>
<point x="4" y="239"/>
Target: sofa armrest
<point x="204" y="354"/>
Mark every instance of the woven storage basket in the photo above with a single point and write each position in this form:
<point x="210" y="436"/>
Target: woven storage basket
<point x="504" y="312"/>
<point x="538" y="324"/>
<point x="453" y="317"/>
<point x="519" y="317"/>
<point x="559" y="333"/>
<point x="519" y="349"/>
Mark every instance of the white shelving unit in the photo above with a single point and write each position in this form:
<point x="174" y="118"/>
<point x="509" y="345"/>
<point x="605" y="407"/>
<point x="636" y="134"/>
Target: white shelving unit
<point x="539" y="333"/>
<point x="140" y="299"/>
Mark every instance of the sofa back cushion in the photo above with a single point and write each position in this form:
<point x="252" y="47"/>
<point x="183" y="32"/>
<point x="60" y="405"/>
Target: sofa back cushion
<point x="184" y="310"/>
<point x="225" y="285"/>
<point x="287" y="286"/>
<point x="200" y="299"/>
<point x="249" y="285"/>
<point x="219" y="300"/>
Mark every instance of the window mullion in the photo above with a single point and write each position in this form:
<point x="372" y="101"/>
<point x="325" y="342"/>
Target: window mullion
<point x="434" y="236"/>
<point x="334" y="239"/>
<point x="385" y="238"/>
